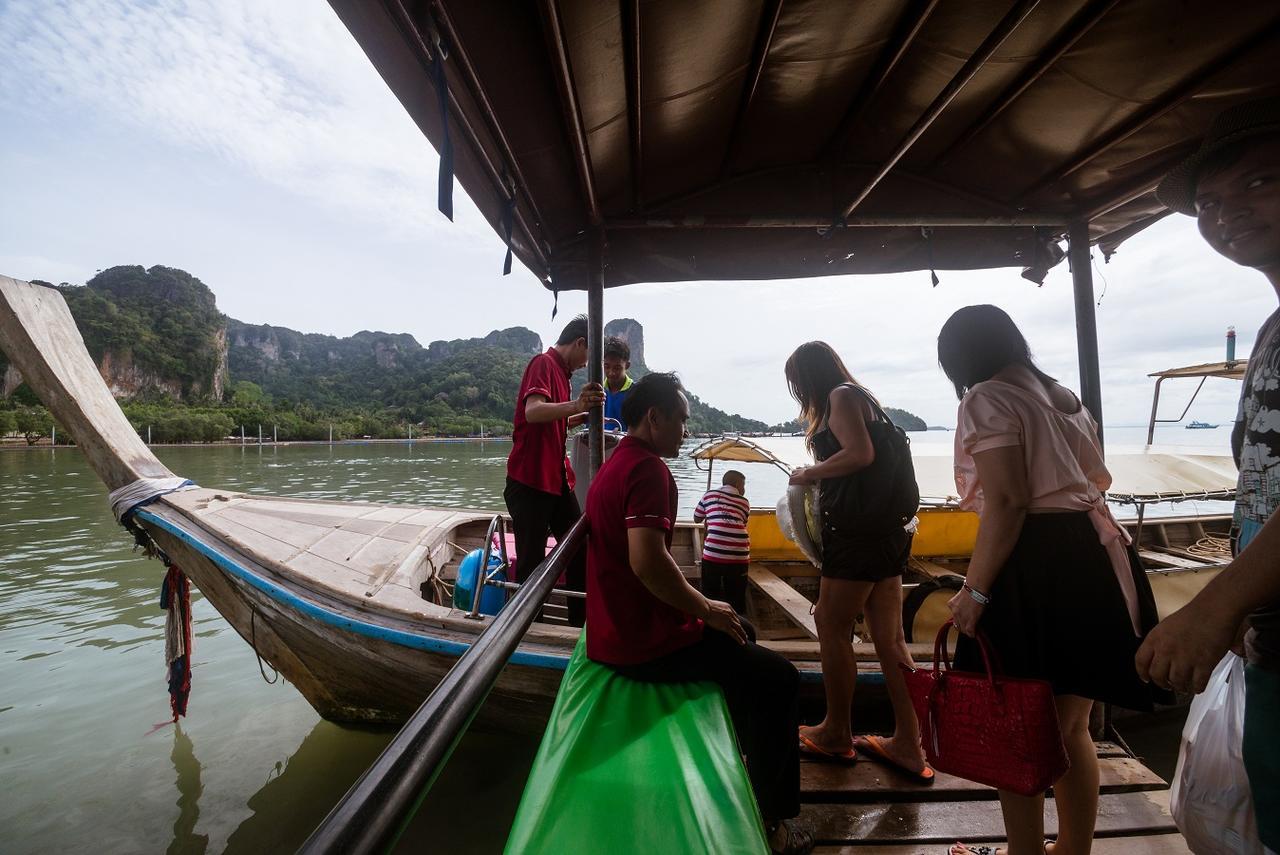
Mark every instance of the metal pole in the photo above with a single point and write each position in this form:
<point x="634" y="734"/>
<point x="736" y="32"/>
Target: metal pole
<point x="595" y="342"/>
<point x="259" y="434"/>
<point x="148" y="434"/>
<point x="1151" y="426"/>
<point x="331" y="434"/>
<point x="275" y="436"/>
<point x="53" y="438"/>
<point x="975" y="63"/>
<point x="374" y="811"/>
<point x="1086" y="321"/>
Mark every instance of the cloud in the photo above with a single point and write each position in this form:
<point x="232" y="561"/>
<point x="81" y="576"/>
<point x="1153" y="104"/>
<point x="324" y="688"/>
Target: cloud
<point x="280" y="90"/>
<point x="274" y="87"/>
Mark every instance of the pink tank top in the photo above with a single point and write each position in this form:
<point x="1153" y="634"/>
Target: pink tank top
<point x="1064" y="463"/>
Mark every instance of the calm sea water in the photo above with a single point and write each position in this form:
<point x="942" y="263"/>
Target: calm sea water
<point x="87" y="756"/>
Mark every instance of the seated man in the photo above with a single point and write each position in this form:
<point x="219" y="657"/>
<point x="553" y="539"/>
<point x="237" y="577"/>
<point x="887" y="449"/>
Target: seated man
<point x="648" y="623"/>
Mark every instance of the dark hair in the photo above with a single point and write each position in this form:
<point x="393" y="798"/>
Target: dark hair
<point x="812" y="372"/>
<point x="574" y="330"/>
<point x="660" y="390"/>
<point x="733" y="476"/>
<point x="617" y="348"/>
<point x="977" y="342"/>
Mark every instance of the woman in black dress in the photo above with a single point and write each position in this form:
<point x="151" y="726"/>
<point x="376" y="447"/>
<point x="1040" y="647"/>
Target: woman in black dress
<point x="868" y="496"/>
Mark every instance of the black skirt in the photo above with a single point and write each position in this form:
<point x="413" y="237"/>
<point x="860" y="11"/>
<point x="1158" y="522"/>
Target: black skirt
<point x="1057" y="613"/>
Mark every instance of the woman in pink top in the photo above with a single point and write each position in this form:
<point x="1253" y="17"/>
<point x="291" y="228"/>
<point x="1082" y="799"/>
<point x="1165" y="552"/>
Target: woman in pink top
<point x="1053" y="583"/>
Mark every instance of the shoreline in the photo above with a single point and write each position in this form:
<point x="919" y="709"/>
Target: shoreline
<point x="21" y="445"/>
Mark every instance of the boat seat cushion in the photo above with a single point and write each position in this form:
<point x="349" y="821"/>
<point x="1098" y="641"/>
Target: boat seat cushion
<point x="627" y="767"/>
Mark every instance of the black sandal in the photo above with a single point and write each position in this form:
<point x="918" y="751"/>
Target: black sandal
<point x="798" y="842"/>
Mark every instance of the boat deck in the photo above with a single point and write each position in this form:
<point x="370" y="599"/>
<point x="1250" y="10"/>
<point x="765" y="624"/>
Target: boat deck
<point x="871" y="807"/>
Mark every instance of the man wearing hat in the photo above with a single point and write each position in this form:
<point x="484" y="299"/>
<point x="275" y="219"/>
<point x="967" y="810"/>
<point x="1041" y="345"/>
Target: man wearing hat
<point x="1232" y="187"/>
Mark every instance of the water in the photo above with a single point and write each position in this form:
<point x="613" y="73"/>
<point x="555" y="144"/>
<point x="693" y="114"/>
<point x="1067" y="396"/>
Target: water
<point x="86" y="753"/>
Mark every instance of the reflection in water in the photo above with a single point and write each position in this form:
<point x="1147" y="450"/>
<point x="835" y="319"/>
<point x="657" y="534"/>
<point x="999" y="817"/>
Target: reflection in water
<point x="300" y="790"/>
<point x="485" y="776"/>
<point x="189" y="789"/>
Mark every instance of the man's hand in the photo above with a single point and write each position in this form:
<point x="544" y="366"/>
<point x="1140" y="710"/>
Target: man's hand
<point x="966" y="612"/>
<point x="1182" y="651"/>
<point x="592" y="395"/>
<point x="721" y="616"/>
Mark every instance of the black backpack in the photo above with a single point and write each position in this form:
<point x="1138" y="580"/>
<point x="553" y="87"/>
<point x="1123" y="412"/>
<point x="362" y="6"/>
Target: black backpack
<point x="881" y="497"/>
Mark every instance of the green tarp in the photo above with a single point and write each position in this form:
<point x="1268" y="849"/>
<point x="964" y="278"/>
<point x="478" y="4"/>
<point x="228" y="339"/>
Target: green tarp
<point x="628" y="767"/>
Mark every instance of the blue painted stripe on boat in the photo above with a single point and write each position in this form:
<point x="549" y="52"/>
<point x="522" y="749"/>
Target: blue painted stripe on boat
<point x="371" y="630"/>
<point x="359" y="627"/>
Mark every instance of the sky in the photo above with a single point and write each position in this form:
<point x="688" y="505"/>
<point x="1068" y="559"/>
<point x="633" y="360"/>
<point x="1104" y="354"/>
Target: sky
<point x="253" y="145"/>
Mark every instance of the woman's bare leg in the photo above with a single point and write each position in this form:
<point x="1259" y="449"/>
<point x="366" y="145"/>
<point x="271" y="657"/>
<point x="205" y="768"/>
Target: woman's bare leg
<point x="884" y="620"/>
<point x="1076" y="792"/>
<point x="840" y="601"/>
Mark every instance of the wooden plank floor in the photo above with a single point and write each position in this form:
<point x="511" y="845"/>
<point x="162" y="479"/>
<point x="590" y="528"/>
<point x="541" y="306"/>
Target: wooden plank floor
<point x="876" y="782"/>
<point x="871" y="807"/>
<point x="1152" y="844"/>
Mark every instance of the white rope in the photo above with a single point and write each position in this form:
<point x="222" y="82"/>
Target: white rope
<point x="130" y="496"/>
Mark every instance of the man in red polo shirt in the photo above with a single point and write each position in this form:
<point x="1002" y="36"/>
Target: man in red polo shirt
<point x="648" y="623"/>
<point x="539" y="491"/>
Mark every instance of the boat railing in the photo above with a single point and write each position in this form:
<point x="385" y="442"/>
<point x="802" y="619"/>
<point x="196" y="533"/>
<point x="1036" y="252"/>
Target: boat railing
<point x="375" y="811"/>
<point x="487" y="577"/>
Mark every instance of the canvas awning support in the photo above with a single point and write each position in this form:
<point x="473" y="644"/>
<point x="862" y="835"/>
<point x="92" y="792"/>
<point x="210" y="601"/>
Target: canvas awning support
<point x="1233" y="370"/>
<point x="909" y="26"/>
<point x="553" y="28"/>
<point x="595" y="340"/>
<point x="1003" y="30"/>
<point x="1086" y="321"/>
<point x="1079" y="26"/>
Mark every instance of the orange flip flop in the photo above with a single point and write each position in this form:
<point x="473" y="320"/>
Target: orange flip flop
<point x="811" y="749"/>
<point x="872" y="748"/>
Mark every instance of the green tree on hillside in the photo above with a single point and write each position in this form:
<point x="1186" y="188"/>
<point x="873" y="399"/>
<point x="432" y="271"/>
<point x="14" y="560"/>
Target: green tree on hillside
<point x="34" y="423"/>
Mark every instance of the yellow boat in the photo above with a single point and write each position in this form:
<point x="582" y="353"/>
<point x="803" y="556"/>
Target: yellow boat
<point x="1181" y="553"/>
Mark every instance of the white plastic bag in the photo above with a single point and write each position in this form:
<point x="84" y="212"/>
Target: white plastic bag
<point x="798" y="518"/>
<point x="1211" y="801"/>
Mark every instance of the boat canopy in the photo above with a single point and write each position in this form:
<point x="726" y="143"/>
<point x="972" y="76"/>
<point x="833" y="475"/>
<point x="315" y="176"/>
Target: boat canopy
<point x="1233" y="370"/>
<point x="737" y="450"/>
<point x="722" y="139"/>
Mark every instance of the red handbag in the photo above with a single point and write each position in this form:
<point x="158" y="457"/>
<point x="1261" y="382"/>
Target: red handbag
<point x="999" y="731"/>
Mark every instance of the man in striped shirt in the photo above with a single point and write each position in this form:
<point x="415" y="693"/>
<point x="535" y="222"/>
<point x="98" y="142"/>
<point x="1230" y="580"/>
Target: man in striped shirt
<point x="726" y="550"/>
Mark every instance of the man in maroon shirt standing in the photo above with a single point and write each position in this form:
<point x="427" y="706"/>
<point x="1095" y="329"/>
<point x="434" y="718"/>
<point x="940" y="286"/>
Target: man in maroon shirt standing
<point x="648" y="623"/>
<point x="539" y="491"/>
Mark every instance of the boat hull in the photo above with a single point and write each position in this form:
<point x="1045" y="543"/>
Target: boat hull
<point x="350" y="667"/>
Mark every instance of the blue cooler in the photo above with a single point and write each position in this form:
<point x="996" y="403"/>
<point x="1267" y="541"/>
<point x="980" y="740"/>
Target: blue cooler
<point x="493" y="599"/>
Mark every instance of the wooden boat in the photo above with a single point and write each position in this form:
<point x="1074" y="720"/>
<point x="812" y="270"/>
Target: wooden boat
<point x="349" y="600"/>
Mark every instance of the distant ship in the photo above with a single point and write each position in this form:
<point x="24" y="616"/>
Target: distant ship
<point x="1200" y="426"/>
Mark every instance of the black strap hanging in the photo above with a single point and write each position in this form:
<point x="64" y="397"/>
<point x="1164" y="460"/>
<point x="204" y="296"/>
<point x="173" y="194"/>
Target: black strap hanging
<point x="445" y="196"/>
<point x="555" y="305"/>
<point x="927" y="234"/>
<point x="508" y="215"/>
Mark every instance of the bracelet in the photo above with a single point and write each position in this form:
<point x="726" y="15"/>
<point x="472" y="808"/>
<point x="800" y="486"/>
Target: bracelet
<point x="977" y="596"/>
